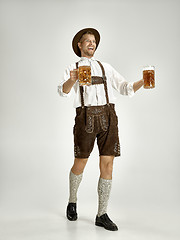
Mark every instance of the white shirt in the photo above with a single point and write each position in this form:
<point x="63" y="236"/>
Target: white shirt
<point x="94" y="95"/>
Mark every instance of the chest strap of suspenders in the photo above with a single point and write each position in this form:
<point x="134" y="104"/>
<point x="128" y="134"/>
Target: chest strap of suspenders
<point x="96" y="80"/>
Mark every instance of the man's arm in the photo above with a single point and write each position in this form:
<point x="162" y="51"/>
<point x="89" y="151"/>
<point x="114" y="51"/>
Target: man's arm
<point x="137" y="85"/>
<point x="71" y="81"/>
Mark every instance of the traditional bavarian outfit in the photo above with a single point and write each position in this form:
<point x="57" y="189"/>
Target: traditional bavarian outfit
<point x="95" y="119"/>
<point x="93" y="122"/>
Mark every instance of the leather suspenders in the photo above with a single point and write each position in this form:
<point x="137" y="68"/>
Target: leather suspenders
<point x="96" y="80"/>
<point x="105" y="82"/>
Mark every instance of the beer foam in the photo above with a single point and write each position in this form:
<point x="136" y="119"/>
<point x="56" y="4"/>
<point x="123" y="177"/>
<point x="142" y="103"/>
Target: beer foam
<point x="148" y="67"/>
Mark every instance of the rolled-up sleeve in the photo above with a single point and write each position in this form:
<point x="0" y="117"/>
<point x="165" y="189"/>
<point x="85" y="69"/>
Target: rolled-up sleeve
<point x="60" y="90"/>
<point x="65" y="78"/>
<point x="120" y="84"/>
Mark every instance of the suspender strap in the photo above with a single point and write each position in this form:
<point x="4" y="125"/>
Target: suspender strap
<point x="94" y="82"/>
<point x="82" y="99"/>
<point x="105" y="82"/>
<point x="81" y="90"/>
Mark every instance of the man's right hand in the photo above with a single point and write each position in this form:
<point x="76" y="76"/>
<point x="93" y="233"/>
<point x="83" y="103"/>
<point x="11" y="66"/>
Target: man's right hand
<point x="74" y="75"/>
<point x="71" y="81"/>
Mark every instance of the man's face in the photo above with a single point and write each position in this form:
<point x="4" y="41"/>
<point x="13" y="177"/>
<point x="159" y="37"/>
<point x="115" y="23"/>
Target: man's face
<point x="87" y="45"/>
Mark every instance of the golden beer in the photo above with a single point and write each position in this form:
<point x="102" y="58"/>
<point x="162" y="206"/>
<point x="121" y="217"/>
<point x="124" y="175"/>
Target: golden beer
<point x="84" y="75"/>
<point x="149" y="77"/>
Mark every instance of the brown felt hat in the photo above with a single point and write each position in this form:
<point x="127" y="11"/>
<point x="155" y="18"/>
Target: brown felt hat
<point x="78" y="36"/>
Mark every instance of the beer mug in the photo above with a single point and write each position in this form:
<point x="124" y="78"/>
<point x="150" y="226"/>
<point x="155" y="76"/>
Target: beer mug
<point x="84" y="75"/>
<point x="149" y="76"/>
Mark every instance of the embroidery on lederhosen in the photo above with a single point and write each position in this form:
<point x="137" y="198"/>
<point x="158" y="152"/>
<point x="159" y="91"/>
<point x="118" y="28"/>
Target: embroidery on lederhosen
<point x="89" y="128"/>
<point x="104" y="121"/>
<point x="77" y="150"/>
<point x="98" y="112"/>
<point x="117" y="148"/>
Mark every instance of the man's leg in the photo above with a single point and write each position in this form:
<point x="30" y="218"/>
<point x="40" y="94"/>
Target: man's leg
<point x="105" y="182"/>
<point x="75" y="178"/>
<point x="104" y="189"/>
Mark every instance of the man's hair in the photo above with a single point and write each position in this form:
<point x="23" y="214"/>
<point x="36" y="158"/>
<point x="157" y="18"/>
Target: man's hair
<point x="88" y="32"/>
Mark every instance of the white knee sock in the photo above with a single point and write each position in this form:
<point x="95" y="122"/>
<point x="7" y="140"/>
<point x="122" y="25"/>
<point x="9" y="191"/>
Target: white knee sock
<point x="74" y="181"/>
<point x="104" y="188"/>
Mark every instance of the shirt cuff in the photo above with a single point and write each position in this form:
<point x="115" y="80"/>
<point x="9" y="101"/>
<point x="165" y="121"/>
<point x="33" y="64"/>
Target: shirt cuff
<point x="61" y="93"/>
<point x="130" y="89"/>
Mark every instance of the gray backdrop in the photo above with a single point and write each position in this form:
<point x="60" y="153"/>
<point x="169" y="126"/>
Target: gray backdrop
<point x="36" y="123"/>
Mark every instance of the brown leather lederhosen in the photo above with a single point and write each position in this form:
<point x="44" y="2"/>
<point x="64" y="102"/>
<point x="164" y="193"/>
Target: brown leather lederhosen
<point x="96" y="122"/>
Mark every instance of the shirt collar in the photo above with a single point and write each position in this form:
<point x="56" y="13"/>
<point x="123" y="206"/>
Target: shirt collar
<point x="89" y="59"/>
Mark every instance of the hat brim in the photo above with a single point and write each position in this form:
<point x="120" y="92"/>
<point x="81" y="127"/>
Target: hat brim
<point x="78" y="36"/>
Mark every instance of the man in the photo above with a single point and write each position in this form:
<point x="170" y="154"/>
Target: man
<point x="95" y="119"/>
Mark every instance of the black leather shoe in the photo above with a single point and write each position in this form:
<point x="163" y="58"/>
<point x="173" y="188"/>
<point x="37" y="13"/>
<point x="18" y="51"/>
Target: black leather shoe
<point x="71" y="212"/>
<point x="105" y="221"/>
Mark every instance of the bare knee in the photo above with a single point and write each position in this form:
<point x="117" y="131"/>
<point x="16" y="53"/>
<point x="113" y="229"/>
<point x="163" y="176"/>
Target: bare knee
<point x="79" y="165"/>
<point x="106" y="167"/>
<point x="106" y="170"/>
